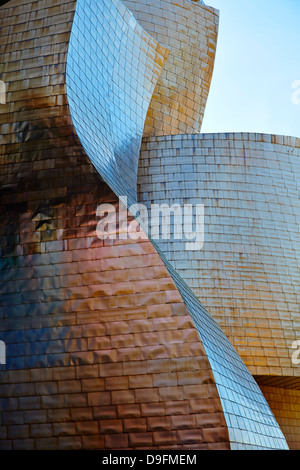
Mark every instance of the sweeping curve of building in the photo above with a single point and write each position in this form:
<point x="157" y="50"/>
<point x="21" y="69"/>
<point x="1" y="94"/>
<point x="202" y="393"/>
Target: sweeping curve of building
<point x="107" y="343"/>
<point x="242" y="393"/>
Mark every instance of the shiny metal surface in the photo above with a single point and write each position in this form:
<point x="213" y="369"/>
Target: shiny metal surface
<point x="189" y="30"/>
<point x="112" y="68"/>
<point x="73" y="308"/>
<point x="250" y="421"/>
<point x="247" y="274"/>
<point x="101" y="351"/>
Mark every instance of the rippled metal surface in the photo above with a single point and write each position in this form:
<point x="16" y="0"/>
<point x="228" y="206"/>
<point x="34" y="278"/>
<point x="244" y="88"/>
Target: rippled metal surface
<point x="112" y="68"/>
<point x="107" y="112"/>
<point x="189" y="29"/>
<point x="251" y="423"/>
<point x="247" y="274"/>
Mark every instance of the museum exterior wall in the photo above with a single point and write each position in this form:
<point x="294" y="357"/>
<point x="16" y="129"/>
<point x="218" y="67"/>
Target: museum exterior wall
<point x="100" y="349"/>
<point x="189" y="31"/>
<point x="248" y="417"/>
<point x="247" y="273"/>
<point x="284" y="403"/>
<point x="94" y="326"/>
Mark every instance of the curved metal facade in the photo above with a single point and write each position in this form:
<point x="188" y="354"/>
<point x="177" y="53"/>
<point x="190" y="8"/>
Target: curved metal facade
<point x="189" y="30"/>
<point x="247" y="274"/>
<point x="244" y="406"/>
<point x="101" y="352"/>
<point x="110" y="85"/>
<point x="79" y="321"/>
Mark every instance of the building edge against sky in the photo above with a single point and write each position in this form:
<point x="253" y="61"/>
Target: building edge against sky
<point x="80" y="339"/>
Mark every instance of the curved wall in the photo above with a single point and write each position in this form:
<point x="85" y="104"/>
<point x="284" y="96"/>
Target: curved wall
<point x="189" y="30"/>
<point x="51" y="265"/>
<point x="249" y="419"/>
<point x="251" y="423"/>
<point x="285" y="406"/>
<point x="247" y="274"/>
<point x="109" y="86"/>
<point x="101" y="351"/>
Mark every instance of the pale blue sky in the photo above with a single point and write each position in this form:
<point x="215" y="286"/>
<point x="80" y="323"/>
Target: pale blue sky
<point x="257" y="61"/>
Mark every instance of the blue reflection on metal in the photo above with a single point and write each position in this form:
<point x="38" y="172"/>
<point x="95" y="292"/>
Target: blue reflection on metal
<point x="251" y="423"/>
<point x="109" y="86"/>
<point x="111" y="75"/>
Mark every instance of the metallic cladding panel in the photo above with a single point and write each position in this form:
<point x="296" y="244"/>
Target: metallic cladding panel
<point x="112" y="68"/>
<point x="247" y="274"/>
<point x="101" y="351"/>
<point x="189" y="30"/>
<point x="251" y="423"/>
<point x="285" y="404"/>
<point x="243" y="403"/>
<point x="248" y="184"/>
<point x="248" y="417"/>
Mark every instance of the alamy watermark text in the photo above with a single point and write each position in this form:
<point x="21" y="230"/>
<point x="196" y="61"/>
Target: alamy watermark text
<point x="164" y="222"/>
